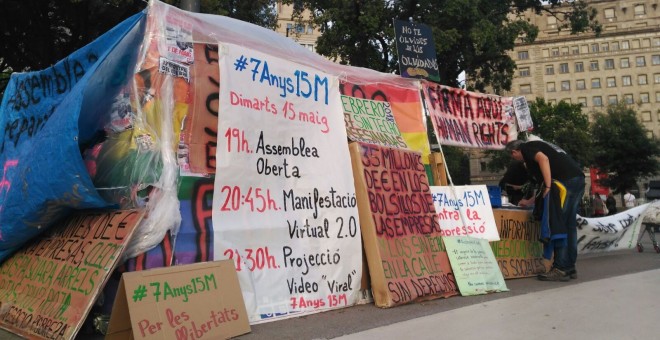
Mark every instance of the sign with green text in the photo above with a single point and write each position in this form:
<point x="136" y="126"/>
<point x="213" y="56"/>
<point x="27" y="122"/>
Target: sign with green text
<point x="48" y="287"/>
<point x="195" y="301"/>
<point x="474" y="265"/>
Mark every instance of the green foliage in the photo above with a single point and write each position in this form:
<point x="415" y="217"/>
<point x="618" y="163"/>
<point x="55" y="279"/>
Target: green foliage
<point x="38" y="33"/>
<point x="562" y="124"/>
<point x="622" y="149"/>
<point x="470" y="35"/>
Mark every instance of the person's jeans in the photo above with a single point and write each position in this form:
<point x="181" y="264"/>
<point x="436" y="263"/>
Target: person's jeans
<point x="565" y="256"/>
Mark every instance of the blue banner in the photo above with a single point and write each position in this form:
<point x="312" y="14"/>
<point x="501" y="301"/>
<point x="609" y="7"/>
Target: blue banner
<point x="47" y="116"/>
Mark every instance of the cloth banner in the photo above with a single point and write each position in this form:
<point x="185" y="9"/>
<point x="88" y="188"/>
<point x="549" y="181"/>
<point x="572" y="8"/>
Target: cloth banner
<point x="614" y="232"/>
<point x="469" y="119"/>
<point x="284" y="207"/>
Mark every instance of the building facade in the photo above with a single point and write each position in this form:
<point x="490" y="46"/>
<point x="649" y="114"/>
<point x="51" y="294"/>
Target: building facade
<point x="303" y="33"/>
<point x="622" y="64"/>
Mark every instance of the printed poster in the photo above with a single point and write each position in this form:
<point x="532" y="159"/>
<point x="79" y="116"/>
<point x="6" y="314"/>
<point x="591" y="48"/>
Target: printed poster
<point x="465" y="211"/>
<point x="284" y="206"/>
<point x="469" y="119"/>
<point x="523" y="115"/>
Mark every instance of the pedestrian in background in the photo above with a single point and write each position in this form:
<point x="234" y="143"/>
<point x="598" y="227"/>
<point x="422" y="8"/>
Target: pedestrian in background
<point x="562" y="189"/>
<point x="598" y="205"/>
<point x="610" y="203"/>
<point x="629" y="200"/>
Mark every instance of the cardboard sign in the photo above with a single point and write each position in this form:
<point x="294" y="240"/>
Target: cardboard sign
<point x="519" y="252"/>
<point x="48" y="287"/>
<point x="195" y="301"/>
<point x="474" y="265"/>
<point x="416" y="50"/>
<point x="402" y="240"/>
<point x="465" y="211"/>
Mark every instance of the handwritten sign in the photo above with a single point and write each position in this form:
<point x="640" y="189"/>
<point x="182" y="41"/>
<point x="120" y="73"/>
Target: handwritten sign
<point x="371" y="121"/>
<point x="469" y="119"/>
<point x="416" y="50"/>
<point x="48" y="287"/>
<point x="465" y="211"/>
<point x="474" y="265"/>
<point x="284" y="208"/>
<point x="195" y="301"/>
<point x="402" y="237"/>
<point x="614" y="232"/>
<point x="519" y="252"/>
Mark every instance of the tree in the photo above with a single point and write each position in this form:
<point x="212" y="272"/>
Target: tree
<point x="622" y="149"/>
<point x="470" y="35"/>
<point x="562" y="124"/>
<point x="38" y="33"/>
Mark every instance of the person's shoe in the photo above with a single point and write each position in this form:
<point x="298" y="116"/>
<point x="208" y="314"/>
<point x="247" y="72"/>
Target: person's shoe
<point x="555" y="275"/>
<point x="572" y="273"/>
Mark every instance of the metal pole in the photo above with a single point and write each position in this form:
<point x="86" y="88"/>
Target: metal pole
<point x="190" y="5"/>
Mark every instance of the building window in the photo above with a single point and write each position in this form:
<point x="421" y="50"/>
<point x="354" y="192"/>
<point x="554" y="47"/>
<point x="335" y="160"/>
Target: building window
<point x="640" y="10"/>
<point x="555" y="52"/>
<point x="655" y="60"/>
<point x="657" y="97"/>
<point x="524" y="72"/>
<point x="564" y="50"/>
<point x="609" y="64"/>
<point x="595" y="83"/>
<point x="525" y="89"/>
<point x="646" y="116"/>
<point x="644" y="97"/>
<point x="640" y="61"/>
<point x="612" y="99"/>
<point x="615" y="46"/>
<point x="576" y="49"/>
<point x="625" y="45"/>
<point x="566" y="100"/>
<point x="656" y="78"/>
<point x="523" y="55"/>
<point x="594" y="48"/>
<point x="611" y="82"/>
<point x="582" y="101"/>
<point x="549" y="69"/>
<point x="597" y="100"/>
<point x="626" y="80"/>
<point x="580" y="84"/>
<point x="628" y="99"/>
<point x="604" y="47"/>
<point x="656" y="42"/>
<point x="609" y="13"/>
<point x="550" y="87"/>
<point x="563" y="68"/>
<point x="579" y="66"/>
<point x="593" y="65"/>
<point x="625" y="63"/>
<point x="641" y="79"/>
<point x="566" y="85"/>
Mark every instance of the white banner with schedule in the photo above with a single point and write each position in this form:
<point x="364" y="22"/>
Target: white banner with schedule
<point x="465" y="211"/>
<point x="284" y="206"/>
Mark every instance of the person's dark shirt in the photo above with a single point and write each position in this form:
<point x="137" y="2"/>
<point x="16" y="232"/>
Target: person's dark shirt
<point x="562" y="166"/>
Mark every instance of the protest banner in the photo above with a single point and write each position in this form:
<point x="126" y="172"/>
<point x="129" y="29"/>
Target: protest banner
<point x="519" y="252"/>
<point x="465" y="211"/>
<point x="194" y="301"/>
<point x="371" y="121"/>
<point x="406" y="108"/>
<point x="48" y="287"/>
<point x="402" y="238"/>
<point x="284" y="206"/>
<point x="614" y="232"/>
<point x="474" y="265"/>
<point x="469" y="119"/>
<point x="416" y="49"/>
